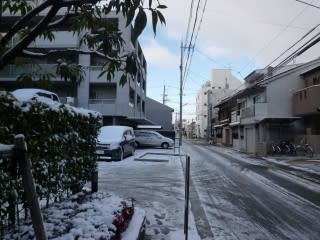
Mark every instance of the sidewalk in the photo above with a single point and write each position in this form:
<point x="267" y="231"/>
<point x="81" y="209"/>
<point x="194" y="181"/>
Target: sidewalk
<point x="311" y="165"/>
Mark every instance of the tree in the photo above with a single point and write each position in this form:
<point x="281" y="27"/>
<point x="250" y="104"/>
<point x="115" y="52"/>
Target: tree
<point x="40" y="19"/>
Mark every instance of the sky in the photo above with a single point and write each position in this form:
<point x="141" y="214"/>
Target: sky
<point x="241" y="35"/>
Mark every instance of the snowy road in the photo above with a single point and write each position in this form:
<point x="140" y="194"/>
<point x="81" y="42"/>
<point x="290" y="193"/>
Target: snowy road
<point x="236" y="197"/>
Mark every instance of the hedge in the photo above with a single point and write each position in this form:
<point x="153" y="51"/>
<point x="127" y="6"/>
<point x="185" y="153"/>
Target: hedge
<point x="61" y="142"/>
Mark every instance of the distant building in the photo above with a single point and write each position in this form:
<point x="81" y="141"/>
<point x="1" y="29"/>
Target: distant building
<point x="221" y="85"/>
<point x="159" y="114"/>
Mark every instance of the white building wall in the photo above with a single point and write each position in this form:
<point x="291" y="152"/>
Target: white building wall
<point x="222" y="85"/>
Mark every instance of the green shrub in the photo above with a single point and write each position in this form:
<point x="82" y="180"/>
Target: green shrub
<point x="61" y="142"/>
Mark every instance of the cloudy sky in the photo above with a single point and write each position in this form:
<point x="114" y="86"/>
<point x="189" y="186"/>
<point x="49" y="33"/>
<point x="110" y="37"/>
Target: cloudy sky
<point x="241" y="35"/>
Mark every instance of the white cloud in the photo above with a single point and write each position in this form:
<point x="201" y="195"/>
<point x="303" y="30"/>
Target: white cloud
<point x="158" y="55"/>
<point x="259" y="30"/>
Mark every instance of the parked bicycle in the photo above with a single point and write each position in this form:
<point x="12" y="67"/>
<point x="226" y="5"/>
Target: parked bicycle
<point x="304" y="149"/>
<point x="284" y="147"/>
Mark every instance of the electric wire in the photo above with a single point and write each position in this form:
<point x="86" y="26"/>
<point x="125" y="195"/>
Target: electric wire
<point x="195" y="41"/>
<point x="191" y="38"/>
<point x="189" y="21"/>
<point x="273" y="39"/>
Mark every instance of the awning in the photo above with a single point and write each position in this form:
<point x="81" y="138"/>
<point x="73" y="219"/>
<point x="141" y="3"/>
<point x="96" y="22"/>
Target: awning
<point x="141" y="121"/>
<point x="219" y="125"/>
<point x="234" y="124"/>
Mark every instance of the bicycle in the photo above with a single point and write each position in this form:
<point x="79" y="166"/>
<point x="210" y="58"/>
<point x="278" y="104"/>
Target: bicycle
<point x="275" y="149"/>
<point x="305" y="149"/>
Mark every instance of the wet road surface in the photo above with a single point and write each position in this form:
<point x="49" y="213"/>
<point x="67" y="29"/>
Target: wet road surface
<point x="234" y="196"/>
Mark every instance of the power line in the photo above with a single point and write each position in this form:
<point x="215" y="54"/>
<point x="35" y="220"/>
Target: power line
<point x="189" y="20"/>
<point x="273" y="39"/>
<point x="196" y="38"/>
<point x="309" y="4"/>
<point x="303" y="37"/>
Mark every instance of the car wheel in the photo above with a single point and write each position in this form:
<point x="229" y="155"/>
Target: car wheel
<point x="120" y="154"/>
<point x="165" y="145"/>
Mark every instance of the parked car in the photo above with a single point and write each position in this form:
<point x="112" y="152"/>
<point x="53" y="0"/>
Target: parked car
<point x="25" y="94"/>
<point x="151" y="138"/>
<point x="115" y="142"/>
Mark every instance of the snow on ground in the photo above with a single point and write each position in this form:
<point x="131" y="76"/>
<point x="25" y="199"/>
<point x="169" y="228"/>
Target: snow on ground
<point x="158" y="188"/>
<point x="90" y="219"/>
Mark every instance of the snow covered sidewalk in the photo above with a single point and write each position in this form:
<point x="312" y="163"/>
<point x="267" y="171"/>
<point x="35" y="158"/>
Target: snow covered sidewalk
<point x="158" y="188"/>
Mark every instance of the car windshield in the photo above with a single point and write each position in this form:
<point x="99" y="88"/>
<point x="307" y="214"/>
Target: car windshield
<point x="111" y="133"/>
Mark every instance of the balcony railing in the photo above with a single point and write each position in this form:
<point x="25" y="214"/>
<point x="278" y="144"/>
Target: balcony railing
<point x="102" y="101"/>
<point x="306" y="101"/>
<point x="247" y="112"/>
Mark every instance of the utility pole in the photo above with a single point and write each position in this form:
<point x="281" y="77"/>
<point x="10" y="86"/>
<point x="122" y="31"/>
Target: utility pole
<point x="181" y="83"/>
<point x="181" y="80"/>
<point x="164" y="95"/>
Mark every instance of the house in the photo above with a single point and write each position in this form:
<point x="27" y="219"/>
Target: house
<point x="278" y="104"/>
<point x="124" y="105"/>
<point x="221" y="85"/>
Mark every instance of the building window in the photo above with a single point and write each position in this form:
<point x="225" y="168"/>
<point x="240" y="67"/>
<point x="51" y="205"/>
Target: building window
<point x="218" y="132"/>
<point x="316" y="80"/>
<point x="235" y="132"/>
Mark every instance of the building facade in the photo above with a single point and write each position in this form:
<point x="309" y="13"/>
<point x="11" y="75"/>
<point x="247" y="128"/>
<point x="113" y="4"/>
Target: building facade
<point x="276" y="106"/>
<point x="221" y="85"/>
<point x="118" y="104"/>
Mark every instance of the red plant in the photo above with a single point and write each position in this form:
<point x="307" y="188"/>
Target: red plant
<point x="122" y="219"/>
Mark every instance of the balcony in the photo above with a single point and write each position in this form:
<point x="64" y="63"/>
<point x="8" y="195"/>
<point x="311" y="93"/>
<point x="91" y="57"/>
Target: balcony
<point x="247" y="112"/>
<point x="10" y="72"/>
<point x="235" y="116"/>
<point x="256" y="112"/>
<point x="306" y="101"/>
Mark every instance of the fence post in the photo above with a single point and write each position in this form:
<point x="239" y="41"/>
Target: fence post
<point x="94" y="181"/>
<point x="186" y="201"/>
<point x="29" y="188"/>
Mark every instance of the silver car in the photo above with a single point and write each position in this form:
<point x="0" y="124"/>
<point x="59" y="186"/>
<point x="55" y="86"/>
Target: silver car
<point x="150" y="138"/>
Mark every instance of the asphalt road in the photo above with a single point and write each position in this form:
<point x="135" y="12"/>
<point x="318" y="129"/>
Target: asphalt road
<point x="234" y="196"/>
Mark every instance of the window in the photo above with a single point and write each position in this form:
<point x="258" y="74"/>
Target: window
<point x="256" y="99"/>
<point x="219" y="132"/>
<point x="235" y="132"/>
<point x="316" y="80"/>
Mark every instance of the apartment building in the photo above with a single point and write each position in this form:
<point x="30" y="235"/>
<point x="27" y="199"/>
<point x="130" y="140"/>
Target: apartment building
<point x="118" y="104"/>
<point x="279" y="104"/>
<point x="221" y="85"/>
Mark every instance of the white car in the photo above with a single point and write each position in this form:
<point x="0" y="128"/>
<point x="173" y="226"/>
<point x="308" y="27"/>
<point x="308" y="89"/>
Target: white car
<point x="115" y="142"/>
<point x="151" y="138"/>
<point x="25" y="94"/>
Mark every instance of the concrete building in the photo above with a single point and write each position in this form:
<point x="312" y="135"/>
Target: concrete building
<point x="118" y="104"/>
<point x="221" y="85"/>
<point x="159" y="114"/>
